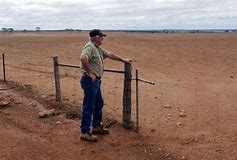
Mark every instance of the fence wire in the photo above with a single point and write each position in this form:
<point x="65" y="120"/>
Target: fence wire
<point x="189" y="113"/>
<point x="36" y="72"/>
<point x="33" y="71"/>
<point x="111" y="87"/>
<point x="170" y="106"/>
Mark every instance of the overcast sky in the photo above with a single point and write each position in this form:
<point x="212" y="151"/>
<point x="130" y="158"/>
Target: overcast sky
<point x="118" y="14"/>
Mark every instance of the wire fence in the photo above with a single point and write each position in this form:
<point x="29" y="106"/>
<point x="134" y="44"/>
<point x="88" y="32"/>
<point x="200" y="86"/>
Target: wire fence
<point x="169" y="106"/>
<point x="189" y="113"/>
<point x="110" y="89"/>
<point x="35" y="71"/>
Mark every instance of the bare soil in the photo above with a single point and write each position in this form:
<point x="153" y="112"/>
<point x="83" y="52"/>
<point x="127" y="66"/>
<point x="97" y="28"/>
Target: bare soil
<point x="190" y="112"/>
<point x="26" y="136"/>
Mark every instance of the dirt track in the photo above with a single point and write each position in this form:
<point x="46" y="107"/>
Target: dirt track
<point x="190" y="112"/>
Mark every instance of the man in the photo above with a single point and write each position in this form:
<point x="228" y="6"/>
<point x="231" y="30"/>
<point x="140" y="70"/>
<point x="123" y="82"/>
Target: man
<point x="92" y="65"/>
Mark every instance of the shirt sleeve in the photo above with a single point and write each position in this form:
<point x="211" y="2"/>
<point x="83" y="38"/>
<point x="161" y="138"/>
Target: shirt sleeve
<point x="105" y="53"/>
<point x="87" y="51"/>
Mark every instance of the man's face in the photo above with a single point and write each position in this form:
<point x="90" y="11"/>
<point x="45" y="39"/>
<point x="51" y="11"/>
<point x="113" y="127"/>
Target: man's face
<point x="98" y="40"/>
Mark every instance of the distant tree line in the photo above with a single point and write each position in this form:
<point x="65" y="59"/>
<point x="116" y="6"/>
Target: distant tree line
<point x="70" y="29"/>
<point x="38" y="29"/>
<point x="12" y="30"/>
<point x="8" y="29"/>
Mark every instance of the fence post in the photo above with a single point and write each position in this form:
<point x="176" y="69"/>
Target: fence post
<point x="3" y="66"/>
<point x="57" y="79"/>
<point x="127" y="96"/>
<point x="137" y="102"/>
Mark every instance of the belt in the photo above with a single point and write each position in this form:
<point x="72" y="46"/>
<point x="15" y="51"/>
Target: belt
<point x="88" y="76"/>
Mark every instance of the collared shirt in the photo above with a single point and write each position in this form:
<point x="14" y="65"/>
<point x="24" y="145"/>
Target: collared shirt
<point x="96" y="56"/>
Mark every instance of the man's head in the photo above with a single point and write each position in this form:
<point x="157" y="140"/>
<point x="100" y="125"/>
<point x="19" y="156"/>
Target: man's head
<point x="96" y="32"/>
<point x="96" y="36"/>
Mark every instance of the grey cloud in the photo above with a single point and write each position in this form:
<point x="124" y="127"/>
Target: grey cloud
<point x="118" y="14"/>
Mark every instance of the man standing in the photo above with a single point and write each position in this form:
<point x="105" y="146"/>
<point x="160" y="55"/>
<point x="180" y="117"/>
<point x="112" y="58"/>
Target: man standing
<point x="92" y="65"/>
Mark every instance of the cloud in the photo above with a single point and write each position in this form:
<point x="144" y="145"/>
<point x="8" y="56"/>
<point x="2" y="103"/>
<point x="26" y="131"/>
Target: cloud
<point x="118" y="14"/>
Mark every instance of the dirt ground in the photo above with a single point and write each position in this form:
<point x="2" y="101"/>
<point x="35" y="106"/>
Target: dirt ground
<point x="190" y="112"/>
<point x="25" y="136"/>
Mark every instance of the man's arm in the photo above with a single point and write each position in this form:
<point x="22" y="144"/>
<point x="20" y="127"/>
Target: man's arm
<point x="84" y="63"/>
<point x="116" y="57"/>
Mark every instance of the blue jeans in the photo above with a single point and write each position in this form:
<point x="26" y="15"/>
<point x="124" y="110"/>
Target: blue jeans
<point x="92" y="103"/>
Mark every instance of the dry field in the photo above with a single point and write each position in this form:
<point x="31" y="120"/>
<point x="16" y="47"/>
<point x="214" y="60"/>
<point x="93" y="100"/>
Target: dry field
<point x="190" y="112"/>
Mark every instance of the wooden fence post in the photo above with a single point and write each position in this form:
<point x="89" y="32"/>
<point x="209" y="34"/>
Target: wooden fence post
<point x="57" y="79"/>
<point x="127" y="96"/>
<point x="3" y="66"/>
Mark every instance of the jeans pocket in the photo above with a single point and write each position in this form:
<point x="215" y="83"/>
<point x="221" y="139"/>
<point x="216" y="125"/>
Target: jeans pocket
<point x="85" y="82"/>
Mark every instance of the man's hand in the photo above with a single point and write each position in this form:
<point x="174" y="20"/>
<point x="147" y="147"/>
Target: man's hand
<point x="118" y="58"/>
<point x="93" y="77"/>
<point x="127" y="60"/>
